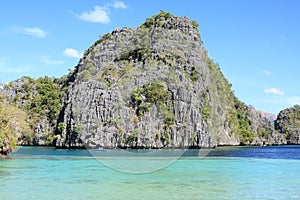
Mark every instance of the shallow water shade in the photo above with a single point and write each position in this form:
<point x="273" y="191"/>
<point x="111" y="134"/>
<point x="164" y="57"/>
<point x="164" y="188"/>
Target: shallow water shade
<point x="226" y="173"/>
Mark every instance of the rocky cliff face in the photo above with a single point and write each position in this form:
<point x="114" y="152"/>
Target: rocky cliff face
<point x="154" y="86"/>
<point x="288" y="123"/>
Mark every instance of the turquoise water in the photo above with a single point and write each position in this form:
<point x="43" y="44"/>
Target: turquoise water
<point x="226" y="173"/>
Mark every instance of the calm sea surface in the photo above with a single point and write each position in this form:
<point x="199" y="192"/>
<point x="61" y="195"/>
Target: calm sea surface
<point x="225" y="173"/>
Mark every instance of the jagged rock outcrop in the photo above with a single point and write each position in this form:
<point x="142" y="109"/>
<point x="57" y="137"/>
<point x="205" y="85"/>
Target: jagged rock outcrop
<point x="288" y="123"/>
<point x="154" y="86"/>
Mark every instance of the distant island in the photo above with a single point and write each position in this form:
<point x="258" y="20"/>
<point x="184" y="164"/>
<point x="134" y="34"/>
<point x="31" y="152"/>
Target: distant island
<point x="148" y="87"/>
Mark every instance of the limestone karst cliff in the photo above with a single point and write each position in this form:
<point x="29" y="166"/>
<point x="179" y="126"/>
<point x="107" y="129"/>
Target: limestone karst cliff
<point x="288" y="123"/>
<point x="155" y="86"/>
<point x="148" y="87"/>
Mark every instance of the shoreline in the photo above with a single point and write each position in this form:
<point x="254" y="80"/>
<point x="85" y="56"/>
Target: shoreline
<point x="6" y="156"/>
<point x="128" y="148"/>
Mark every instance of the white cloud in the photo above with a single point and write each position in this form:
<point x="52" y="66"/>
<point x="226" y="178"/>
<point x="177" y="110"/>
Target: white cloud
<point x="97" y="15"/>
<point x="120" y="4"/>
<point x="267" y="73"/>
<point x="73" y="53"/>
<point x="33" y="31"/>
<point x="274" y="91"/>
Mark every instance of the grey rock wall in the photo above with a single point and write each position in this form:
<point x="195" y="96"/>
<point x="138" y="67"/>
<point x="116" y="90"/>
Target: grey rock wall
<point x="98" y="109"/>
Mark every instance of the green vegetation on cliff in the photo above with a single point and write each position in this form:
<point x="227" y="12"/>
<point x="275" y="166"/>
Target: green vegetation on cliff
<point x="13" y="126"/>
<point x="41" y="100"/>
<point x="240" y="122"/>
<point x="155" y="93"/>
<point x="243" y="120"/>
<point x="40" y="97"/>
<point x="152" y="21"/>
<point x="288" y="123"/>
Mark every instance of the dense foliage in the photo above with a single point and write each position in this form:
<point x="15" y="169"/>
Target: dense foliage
<point x="47" y="100"/>
<point x="150" y="22"/>
<point x="155" y="94"/>
<point x="40" y="97"/>
<point x="240" y="122"/>
<point x="13" y="126"/>
<point x="41" y="100"/>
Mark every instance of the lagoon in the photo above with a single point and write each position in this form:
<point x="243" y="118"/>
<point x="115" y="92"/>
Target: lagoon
<point x="224" y="173"/>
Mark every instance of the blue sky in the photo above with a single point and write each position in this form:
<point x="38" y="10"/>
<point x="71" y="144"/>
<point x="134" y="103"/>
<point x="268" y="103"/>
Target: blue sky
<point x="255" y="42"/>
